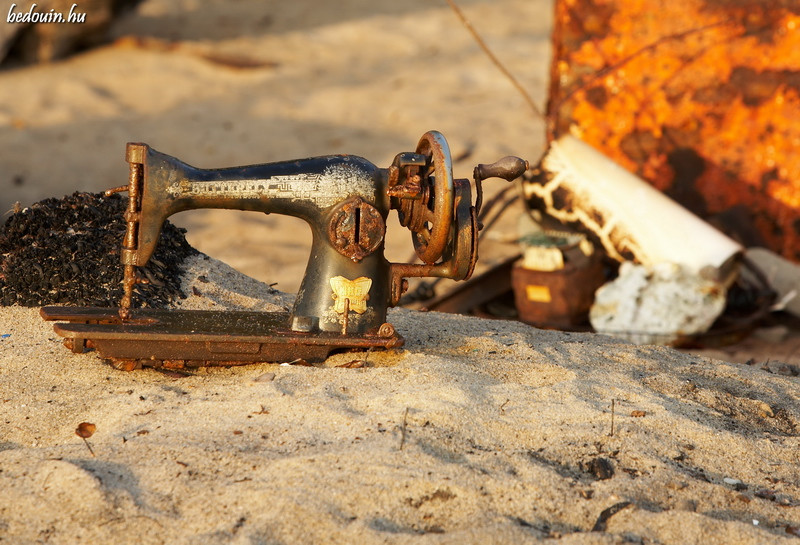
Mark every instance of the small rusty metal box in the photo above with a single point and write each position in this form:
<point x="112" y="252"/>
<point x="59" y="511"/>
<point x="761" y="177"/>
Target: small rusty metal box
<point x="555" y="286"/>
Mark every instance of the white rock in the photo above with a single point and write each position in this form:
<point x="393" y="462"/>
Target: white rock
<point x="656" y="305"/>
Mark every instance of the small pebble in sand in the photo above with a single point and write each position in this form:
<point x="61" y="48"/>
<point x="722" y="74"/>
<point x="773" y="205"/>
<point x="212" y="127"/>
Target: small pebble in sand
<point x="735" y="483"/>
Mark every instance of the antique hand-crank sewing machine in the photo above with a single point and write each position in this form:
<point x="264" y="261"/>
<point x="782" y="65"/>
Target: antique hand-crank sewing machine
<point x="348" y="284"/>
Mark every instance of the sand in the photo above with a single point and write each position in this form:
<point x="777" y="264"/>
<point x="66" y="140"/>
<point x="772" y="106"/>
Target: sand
<point x="475" y="431"/>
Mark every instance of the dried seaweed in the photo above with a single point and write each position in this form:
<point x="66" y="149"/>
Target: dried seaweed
<point x="66" y="251"/>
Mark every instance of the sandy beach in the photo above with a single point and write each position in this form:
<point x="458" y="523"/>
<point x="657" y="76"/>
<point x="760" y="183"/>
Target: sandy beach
<point x="475" y="431"/>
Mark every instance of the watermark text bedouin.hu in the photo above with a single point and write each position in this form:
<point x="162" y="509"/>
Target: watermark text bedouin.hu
<point x="52" y="16"/>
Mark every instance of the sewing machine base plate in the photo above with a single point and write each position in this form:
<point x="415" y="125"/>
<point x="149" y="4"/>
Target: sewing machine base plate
<point x="196" y="338"/>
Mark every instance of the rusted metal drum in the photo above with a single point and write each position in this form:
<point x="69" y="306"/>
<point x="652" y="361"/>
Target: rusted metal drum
<point x="699" y="97"/>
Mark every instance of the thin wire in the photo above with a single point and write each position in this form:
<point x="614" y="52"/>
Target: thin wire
<point x="527" y="97"/>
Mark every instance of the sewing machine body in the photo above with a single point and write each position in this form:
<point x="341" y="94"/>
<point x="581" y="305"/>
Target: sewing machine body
<point x="342" y="198"/>
<point x="348" y="284"/>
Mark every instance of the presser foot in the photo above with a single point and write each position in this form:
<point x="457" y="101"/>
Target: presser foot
<point x="196" y="338"/>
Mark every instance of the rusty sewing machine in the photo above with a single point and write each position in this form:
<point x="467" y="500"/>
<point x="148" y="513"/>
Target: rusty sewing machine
<point x="348" y="283"/>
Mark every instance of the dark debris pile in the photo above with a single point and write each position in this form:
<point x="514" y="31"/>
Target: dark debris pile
<point x="66" y="251"/>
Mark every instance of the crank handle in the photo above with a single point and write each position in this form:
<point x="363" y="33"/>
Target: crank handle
<point x="508" y="168"/>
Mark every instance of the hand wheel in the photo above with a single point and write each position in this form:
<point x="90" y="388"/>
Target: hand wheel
<point x="436" y="209"/>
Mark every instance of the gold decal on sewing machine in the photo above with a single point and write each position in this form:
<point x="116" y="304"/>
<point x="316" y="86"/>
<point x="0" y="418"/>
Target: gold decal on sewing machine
<point x="301" y="186"/>
<point x="323" y="189"/>
<point x="355" y="291"/>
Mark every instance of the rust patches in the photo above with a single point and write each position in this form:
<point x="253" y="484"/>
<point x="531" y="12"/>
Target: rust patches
<point x="356" y="229"/>
<point x="701" y="98"/>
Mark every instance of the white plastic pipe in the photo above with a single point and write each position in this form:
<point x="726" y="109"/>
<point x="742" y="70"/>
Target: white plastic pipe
<point x="632" y="219"/>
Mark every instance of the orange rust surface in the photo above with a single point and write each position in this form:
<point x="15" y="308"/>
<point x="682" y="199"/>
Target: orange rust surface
<point x="699" y="97"/>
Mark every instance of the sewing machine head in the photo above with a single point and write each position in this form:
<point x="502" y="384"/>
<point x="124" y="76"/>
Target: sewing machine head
<point x="348" y="283"/>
